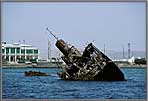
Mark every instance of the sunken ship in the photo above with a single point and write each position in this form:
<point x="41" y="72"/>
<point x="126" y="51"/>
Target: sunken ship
<point x="91" y="64"/>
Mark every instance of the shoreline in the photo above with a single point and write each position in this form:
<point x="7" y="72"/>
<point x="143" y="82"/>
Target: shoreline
<point x="28" y="66"/>
<point x="56" y="66"/>
<point x="131" y="66"/>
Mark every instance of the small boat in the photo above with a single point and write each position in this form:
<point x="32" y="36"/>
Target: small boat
<point x="34" y="73"/>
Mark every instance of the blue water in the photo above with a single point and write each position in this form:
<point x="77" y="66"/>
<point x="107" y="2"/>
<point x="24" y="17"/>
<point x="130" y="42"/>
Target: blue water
<point x="17" y="86"/>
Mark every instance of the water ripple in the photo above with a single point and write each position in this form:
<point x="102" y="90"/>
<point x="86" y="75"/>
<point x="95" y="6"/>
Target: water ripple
<point x="17" y="86"/>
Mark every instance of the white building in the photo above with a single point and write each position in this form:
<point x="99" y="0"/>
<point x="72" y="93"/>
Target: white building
<point x="17" y="52"/>
<point x="131" y="60"/>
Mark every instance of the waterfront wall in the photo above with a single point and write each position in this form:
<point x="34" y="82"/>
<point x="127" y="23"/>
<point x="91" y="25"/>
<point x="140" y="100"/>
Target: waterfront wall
<point x="51" y="65"/>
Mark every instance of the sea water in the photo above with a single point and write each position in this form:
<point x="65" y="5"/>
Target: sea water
<point x="15" y="85"/>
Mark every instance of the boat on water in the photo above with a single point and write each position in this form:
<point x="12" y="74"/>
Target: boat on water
<point x="91" y="64"/>
<point x="34" y="73"/>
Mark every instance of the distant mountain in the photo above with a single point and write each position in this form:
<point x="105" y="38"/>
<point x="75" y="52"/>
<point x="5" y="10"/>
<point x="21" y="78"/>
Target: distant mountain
<point x="119" y="55"/>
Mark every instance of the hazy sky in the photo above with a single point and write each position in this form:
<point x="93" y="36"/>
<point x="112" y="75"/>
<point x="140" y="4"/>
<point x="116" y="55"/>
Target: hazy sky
<point x="110" y="23"/>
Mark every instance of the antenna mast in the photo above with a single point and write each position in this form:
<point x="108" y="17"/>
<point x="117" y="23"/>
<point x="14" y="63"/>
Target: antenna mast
<point x="52" y="33"/>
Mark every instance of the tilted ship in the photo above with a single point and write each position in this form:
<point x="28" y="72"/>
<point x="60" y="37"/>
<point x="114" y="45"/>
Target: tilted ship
<point x="92" y="64"/>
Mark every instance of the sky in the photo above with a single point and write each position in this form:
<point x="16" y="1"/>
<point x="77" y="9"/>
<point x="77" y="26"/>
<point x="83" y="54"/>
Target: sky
<point x="114" y="24"/>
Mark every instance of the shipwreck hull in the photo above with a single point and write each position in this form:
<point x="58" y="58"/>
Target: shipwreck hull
<point x="110" y="73"/>
<point x="92" y="64"/>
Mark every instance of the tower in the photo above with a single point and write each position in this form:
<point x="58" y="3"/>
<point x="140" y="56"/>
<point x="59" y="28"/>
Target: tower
<point x="123" y="51"/>
<point x="49" y="50"/>
<point x="129" y="50"/>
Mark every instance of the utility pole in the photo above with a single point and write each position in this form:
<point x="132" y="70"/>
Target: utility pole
<point x="104" y="48"/>
<point x="49" y="50"/>
<point x="123" y="51"/>
<point x="24" y="50"/>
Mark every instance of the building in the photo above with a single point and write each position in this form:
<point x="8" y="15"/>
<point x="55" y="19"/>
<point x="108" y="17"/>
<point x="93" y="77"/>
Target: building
<point x="131" y="60"/>
<point x="125" y="61"/>
<point x="19" y="52"/>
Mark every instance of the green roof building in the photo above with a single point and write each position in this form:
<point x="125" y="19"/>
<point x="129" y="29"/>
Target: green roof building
<point x="19" y="52"/>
